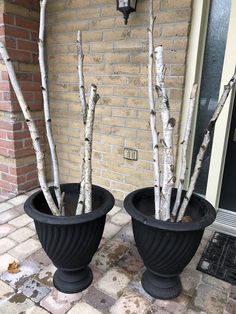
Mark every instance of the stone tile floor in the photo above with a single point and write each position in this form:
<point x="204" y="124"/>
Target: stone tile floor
<point x="117" y="269"/>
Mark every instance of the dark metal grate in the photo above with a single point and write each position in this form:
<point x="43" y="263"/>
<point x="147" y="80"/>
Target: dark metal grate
<point x="219" y="258"/>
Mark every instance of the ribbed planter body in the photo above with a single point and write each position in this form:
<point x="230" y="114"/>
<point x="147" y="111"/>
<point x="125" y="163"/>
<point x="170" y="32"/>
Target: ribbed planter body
<point x="166" y="247"/>
<point x="70" y="241"/>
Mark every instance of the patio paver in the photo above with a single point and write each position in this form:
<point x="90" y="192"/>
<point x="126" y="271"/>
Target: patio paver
<point x="21" y="234"/>
<point x="23" y="250"/>
<point x="5" y="206"/>
<point x="117" y="269"/>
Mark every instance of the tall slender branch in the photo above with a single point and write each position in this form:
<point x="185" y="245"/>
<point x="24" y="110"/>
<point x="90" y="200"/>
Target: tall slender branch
<point x="168" y="124"/>
<point x="155" y="135"/>
<point x="81" y="75"/>
<point x="184" y="144"/>
<point x="47" y="115"/>
<point x="33" y="131"/>
<point x="81" y="200"/>
<point x="204" y="145"/>
<point x="94" y="97"/>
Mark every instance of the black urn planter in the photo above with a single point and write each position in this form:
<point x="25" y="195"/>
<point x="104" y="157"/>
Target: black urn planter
<point x="166" y="247"/>
<point x="70" y="241"/>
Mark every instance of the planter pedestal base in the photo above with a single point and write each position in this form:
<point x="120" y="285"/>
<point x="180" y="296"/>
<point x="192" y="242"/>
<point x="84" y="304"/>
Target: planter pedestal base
<point x="72" y="281"/>
<point x="161" y="287"/>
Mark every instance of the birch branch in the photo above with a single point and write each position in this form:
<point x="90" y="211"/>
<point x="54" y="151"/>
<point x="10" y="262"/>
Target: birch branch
<point x="81" y="200"/>
<point x="155" y="135"/>
<point x="81" y="75"/>
<point x="94" y="97"/>
<point x="168" y="125"/>
<point x="33" y="131"/>
<point x="184" y="145"/>
<point x="80" y="205"/>
<point x="47" y="115"/>
<point x="204" y="145"/>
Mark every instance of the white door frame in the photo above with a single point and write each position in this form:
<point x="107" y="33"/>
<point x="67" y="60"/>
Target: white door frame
<point x="193" y="74"/>
<point x="197" y="38"/>
<point x="222" y="128"/>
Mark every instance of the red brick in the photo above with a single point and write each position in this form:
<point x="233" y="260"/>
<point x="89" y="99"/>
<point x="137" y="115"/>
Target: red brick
<point x="4" y="152"/>
<point x="39" y="123"/>
<point x="6" y="96"/>
<point x="36" y="106"/>
<point x="28" y="143"/>
<point x="17" y="126"/>
<point x="12" y="171"/>
<point x="6" y="185"/>
<point x="6" y="144"/>
<point x="20" y="35"/>
<point x="17" y="55"/>
<point x="3" y="134"/>
<point x="5" y="125"/>
<point x="27" y="45"/>
<point x="29" y="185"/>
<point x="17" y="32"/>
<point x="5" y="106"/>
<point x="4" y="86"/>
<point x="38" y="95"/>
<point x="18" y="145"/>
<point x="21" y="153"/>
<point x="9" y="178"/>
<point x="30" y="86"/>
<point x="27" y="23"/>
<point x="9" y="19"/>
<point x="35" y="58"/>
<point x="37" y="77"/>
<point x="4" y="168"/>
<point x="26" y="169"/>
<point x="28" y="96"/>
<point x="18" y="135"/>
<point x="5" y="76"/>
<point x="34" y="36"/>
<point x="10" y="42"/>
<point x="12" y="191"/>
<point x="2" y="30"/>
<point x="32" y="4"/>
<point x="24" y="76"/>
<point x="31" y="175"/>
<point x="20" y="179"/>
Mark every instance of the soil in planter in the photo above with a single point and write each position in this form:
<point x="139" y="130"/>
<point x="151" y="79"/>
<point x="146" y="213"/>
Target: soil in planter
<point x="70" y="202"/>
<point x="146" y="206"/>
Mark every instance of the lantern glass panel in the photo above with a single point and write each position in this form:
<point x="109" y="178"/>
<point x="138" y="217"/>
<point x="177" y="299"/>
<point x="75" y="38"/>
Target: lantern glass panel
<point x="123" y="3"/>
<point x="133" y="4"/>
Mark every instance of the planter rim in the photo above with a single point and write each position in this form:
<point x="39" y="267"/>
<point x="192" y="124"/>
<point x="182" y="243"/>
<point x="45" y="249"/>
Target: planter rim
<point x="205" y="221"/>
<point x="34" y="213"/>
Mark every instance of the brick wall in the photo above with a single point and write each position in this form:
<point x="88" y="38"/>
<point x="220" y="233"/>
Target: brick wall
<point x="19" y="30"/>
<point x="116" y="60"/>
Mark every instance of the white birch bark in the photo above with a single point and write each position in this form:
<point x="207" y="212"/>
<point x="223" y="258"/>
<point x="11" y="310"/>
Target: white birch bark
<point x="155" y="135"/>
<point x="94" y="97"/>
<point x="184" y="144"/>
<point x="81" y="75"/>
<point x="33" y="132"/>
<point x="52" y="146"/>
<point x="168" y="125"/>
<point x="204" y="145"/>
<point x="81" y="200"/>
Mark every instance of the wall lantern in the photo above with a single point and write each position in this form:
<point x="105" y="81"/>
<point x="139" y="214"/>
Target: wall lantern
<point x="126" y="7"/>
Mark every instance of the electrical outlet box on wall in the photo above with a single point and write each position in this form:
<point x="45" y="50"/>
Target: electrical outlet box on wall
<point x="130" y="154"/>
